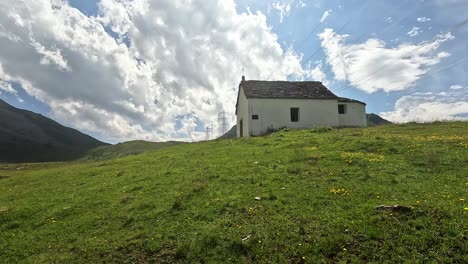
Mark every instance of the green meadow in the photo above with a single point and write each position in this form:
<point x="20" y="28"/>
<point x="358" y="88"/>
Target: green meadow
<point x="294" y="196"/>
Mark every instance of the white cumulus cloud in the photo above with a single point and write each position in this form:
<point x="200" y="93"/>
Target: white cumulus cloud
<point x="456" y="87"/>
<point x="372" y="66"/>
<point x="325" y="15"/>
<point x="301" y="4"/>
<point x="283" y="9"/>
<point x="413" y="32"/>
<point x="4" y="84"/>
<point x="50" y="56"/>
<point x="423" y="19"/>
<point x="170" y="59"/>
<point x="428" y="109"/>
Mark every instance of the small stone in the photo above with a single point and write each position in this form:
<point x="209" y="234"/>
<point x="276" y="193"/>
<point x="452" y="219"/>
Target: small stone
<point x="283" y="188"/>
<point x="258" y="198"/>
<point x="126" y="198"/>
<point x="394" y="208"/>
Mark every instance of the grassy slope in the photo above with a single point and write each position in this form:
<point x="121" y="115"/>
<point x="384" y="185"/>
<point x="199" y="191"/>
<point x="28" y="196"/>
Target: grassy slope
<point x="125" y="149"/>
<point x="195" y="202"/>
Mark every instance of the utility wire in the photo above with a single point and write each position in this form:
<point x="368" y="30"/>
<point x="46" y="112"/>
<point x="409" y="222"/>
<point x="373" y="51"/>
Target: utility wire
<point x="316" y="27"/>
<point x="343" y="53"/>
<point x="303" y="41"/>
<point x="338" y="31"/>
<point x="321" y="48"/>
<point x="445" y="68"/>
<point x="384" y="66"/>
<point x="309" y="35"/>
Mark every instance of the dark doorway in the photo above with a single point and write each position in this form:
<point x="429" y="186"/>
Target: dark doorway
<point x="294" y="114"/>
<point x="241" y="127"/>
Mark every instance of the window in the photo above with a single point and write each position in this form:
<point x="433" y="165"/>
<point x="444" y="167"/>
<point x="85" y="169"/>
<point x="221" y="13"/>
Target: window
<point x="255" y="117"/>
<point x="294" y="114"/>
<point x="341" y="109"/>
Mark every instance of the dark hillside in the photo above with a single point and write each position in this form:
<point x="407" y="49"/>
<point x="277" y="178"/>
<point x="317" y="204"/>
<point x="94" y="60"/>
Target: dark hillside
<point x="230" y="134"/>
<point x="376" y="120"/>
<point x="29" y="137"/>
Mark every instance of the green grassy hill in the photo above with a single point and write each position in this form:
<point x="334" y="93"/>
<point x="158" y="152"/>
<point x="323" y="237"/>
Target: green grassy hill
<point x="299" y="196"/>
<point x="125" y="149"/>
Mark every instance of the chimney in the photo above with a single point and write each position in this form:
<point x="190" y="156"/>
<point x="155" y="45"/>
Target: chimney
<point x="243" y="78"/>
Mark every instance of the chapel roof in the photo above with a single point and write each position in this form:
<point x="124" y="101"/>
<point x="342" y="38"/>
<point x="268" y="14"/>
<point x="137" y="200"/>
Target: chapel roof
<point x="288" y="90"/>
<point x="285" y="89"/>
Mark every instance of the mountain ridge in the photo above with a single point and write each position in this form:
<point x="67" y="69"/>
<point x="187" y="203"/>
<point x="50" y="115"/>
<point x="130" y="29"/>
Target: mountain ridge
<point x="26" y="136"/>
<point x="376" y="120"/>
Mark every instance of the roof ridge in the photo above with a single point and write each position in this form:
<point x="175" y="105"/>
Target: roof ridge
<point x="283" y="81"/>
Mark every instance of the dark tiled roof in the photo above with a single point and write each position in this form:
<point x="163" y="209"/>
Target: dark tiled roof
<point x="347" y="100"/>
<point x="283" y="89"/>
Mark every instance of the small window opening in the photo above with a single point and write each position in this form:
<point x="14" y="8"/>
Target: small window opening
<point x="294" y="114"/>
<point x="255" y="117"/>
<point x="341" y="109"/>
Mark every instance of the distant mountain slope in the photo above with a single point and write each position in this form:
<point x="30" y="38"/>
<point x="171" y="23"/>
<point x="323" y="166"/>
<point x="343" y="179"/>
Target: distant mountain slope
<point x="376" y="120"/>
<point x="232" y="133"/>
<point x="29" y="137"/>
<point x="125" y="149"/>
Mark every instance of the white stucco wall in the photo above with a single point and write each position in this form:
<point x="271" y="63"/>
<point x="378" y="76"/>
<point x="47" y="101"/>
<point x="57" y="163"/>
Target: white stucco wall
<point x="275" y="113"/>
<point x="242" y="114"/>
<point x="355" y="115"/>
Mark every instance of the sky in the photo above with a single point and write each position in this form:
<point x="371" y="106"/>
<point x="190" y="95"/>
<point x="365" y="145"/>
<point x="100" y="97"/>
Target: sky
<point x="163" y="70"/>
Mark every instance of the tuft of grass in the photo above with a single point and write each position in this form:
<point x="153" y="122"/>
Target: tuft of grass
<point x="177" y="205"/>
<point x="126" y="198"/>
<point x="320" y="130"/>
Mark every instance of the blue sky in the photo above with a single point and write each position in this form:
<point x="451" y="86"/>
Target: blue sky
<point x="161" y="70"/>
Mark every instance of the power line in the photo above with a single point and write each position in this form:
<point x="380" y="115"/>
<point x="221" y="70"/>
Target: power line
<point x="316" y="27"/>
<point x="303" y="41"/>
<point x="445" y="68"/>
<point x="343" y="53"/>
<point x="338" y="31"/>
<point x="442" y="69"/>
<point x="321" y="46"/>
<point x="384" y="66"/>
<point x="309" y="35"/>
